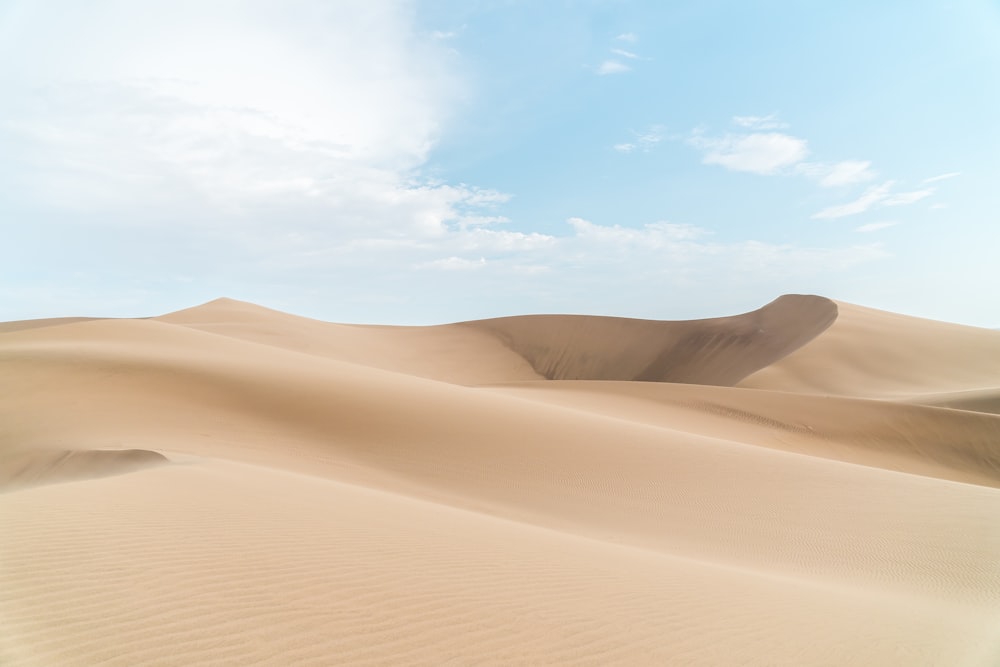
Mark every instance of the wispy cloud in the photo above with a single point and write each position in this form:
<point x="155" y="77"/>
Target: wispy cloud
<point x="769" y="152"/>
<point x="904" y="198"/>
<point x="941" y="177"/>
<point x="643" y="141"/>
<point x="870" y="198"/>
<point x="652" y="136"/>
<point x="495" y="241"/>
<point x="625" y="54"/>
<point x="678" y="253"/>
<point x="769" y="122"/>
<point x="612" y="67"/>
<point x="758" y="153"/>
<point x="875" y="226"/>
<point x="652" y="235"/>
<point x="878" y="195"/>
<point x="453" y="264"/>
<point x="847" y="172"/>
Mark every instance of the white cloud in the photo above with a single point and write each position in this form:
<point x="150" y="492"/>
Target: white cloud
<point x="875" y="226"/>
<point x="453" y="264"/>
<point x="528" y="269"/>
<point x="644" y="141"/>
<point x="500" y="241"/>
<point x="240" y="119"/>
<point x="877" y="195"/>
<point x="870" y="198"/>
<point x="484" y="196"/>
<point x="651" y="236"/>
<point x="903" y="198"/>
<point x="630" y="37"/>
<point x="482" y="220"/>
<point x="758" y="153"/>
<point x="625" y="54"/>
<point x="941" y="177"/>
<point x="847" y="172"/>
<point x="612" y="67"/>
<point x="685" y="254"/>
<point x="769" y="122"/>
<point x="650" y="137"/>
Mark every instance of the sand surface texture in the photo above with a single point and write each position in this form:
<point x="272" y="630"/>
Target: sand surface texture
<point x="812" y="483"/>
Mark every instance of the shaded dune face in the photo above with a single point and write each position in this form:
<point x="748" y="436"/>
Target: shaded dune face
<point x="717" y="351"/>
<point x="32" y="468"/>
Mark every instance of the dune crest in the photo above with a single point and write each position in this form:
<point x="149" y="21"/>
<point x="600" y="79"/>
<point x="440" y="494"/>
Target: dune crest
<point x="717" y="351"/>
<point x="875" y="354"/>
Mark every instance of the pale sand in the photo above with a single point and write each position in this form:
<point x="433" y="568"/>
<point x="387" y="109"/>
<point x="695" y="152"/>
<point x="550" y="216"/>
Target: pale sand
<point x="500" y="492"/>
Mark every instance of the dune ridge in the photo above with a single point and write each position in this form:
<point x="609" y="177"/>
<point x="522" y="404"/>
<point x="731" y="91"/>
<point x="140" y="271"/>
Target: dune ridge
<point x="36" y="467"/>
<point x="718" y="351"/>
<point x="771" y="488"/>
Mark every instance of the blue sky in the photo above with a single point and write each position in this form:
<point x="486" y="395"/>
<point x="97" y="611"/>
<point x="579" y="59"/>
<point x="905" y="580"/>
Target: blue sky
<point x="422" y="162"/>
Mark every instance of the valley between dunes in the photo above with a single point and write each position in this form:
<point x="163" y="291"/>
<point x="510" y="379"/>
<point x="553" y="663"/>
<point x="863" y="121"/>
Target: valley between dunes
<point x="811" y="483"/>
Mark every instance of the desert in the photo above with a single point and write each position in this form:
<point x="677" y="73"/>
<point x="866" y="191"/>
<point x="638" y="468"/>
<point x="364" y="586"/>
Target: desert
<point x="810" y="483"/>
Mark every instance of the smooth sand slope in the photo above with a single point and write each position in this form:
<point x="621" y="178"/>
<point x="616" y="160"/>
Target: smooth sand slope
<point x="229" y="484"/>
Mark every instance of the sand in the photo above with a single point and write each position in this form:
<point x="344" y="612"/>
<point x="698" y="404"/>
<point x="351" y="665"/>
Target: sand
<point x="812" y="483"/>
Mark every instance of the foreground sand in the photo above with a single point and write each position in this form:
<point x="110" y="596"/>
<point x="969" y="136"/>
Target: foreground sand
<point x="814" y="483"/>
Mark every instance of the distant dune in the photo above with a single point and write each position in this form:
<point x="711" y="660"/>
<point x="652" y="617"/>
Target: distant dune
<point x="720" y="351"/>
<point x="810" y="483"/>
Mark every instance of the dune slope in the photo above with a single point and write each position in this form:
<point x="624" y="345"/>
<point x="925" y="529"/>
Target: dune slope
<point x="871" y="353"/>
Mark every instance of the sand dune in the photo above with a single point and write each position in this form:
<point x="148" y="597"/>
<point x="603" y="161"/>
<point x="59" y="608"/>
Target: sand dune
<point x="719" y="351"/>
<point x="872" y="353"/>
<point x="452" y="353"/>
<point x="783" y="487"/>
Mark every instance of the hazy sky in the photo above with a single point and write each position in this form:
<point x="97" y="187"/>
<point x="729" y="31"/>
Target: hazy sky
<point x="421" y="162"/>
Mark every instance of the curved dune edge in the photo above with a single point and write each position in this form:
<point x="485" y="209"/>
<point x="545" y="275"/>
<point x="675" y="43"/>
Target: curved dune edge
<point x="717" y="351"/>
<point x="871" y="353"/>
<point x="972" y="400"/>
<point x="448" y="353"/>
<point x="33" y="468"/>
